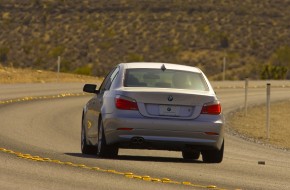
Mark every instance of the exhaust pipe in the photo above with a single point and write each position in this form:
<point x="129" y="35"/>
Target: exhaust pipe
<point x="134" y="140"/>
<point x="137" y="140"/>
<point x="140" y="140"/>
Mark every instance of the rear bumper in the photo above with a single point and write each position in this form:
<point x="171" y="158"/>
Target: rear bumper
<point x="165" y="134"/>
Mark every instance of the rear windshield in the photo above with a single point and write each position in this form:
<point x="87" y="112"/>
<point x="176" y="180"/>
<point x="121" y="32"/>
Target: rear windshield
<point x="156" y="78"/>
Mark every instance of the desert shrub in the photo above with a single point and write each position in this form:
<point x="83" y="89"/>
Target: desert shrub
<point x="105" y="45"/>
<point x="281" y="56"/>
<point x="273" y="72"/>
<point x="37" y="63"/>
<point x="56" y="51"/>
<point x="65" y="66"/>
<point x="134" y="57"/>
<point x="169" y="50"/>
<point x="27" y="49"/>
<point x="224" y="41"/>
<point x="35" y="3"/>
<point x="84" y="70"/>
<point x="279" y="64"/>
<point x="4" y="54"/>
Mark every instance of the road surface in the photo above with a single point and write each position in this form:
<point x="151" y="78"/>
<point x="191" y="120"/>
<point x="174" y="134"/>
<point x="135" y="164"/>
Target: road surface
<point x="40" y="149"/>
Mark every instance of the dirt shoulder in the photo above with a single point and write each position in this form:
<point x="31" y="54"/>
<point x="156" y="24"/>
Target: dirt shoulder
<point x="253" y="126"/>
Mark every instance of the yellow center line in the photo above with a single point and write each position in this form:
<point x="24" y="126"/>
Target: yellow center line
<point x="98" y="169"/>
<point x="30" y="98"/>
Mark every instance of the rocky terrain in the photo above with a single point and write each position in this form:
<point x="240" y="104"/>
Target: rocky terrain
<point x="93" y="36"/>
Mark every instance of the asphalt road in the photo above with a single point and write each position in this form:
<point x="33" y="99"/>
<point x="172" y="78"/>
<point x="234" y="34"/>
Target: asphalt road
<point x="49" y="131"/>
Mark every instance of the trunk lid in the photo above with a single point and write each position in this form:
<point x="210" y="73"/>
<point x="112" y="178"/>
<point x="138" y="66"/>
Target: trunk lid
<point x="169" y="103"/>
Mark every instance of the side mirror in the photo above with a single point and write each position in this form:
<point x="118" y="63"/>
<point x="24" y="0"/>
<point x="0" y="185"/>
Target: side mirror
<point x="90" y="88"/>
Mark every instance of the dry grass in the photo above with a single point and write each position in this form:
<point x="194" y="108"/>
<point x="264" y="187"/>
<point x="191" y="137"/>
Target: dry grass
<point x="254" y="124"/>
<point x="11" y="76"/>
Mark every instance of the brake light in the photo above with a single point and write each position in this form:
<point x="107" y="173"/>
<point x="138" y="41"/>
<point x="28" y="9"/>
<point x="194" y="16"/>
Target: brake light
<point x="125" y="129"/>
<point x="213" y="108"/>
<point x="212" y="133"/>
<point x="125" y="103"/>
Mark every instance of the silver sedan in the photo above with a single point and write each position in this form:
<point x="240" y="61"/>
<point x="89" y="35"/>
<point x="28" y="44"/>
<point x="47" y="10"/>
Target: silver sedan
<point x="158" y="106"/>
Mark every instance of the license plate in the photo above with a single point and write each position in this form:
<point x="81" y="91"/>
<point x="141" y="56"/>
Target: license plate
<point x="169" y="110"/>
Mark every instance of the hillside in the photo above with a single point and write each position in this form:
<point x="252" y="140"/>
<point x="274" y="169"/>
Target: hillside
<point x="92" y="36"/>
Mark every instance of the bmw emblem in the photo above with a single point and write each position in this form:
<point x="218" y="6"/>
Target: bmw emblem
<point x="170" y="98"/>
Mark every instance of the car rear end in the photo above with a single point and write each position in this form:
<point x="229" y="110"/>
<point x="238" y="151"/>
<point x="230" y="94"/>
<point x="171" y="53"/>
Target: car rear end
<point x="155" y="109"/>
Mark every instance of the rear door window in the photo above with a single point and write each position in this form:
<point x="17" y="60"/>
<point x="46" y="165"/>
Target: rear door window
<point x="109" y="79"/>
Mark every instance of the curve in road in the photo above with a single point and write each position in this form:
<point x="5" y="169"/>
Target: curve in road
<point x="49" y="131"/>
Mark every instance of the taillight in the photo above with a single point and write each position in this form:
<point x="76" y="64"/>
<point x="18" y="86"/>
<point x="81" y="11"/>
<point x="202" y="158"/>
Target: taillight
<point x="125" y="103"/>
<point x="213" y="108"/>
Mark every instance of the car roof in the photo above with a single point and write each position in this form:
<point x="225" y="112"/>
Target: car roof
<point x="157" y="65"/>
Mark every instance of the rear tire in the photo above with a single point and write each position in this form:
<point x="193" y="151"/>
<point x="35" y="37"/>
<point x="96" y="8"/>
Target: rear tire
<point x="85" y="148"/>
<point x="104" y="150"/>
<point x="213" y="156"/>
<point x="190" y="154"/>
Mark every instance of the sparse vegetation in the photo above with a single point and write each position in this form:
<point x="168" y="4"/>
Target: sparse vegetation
<point x="104" y="33"/>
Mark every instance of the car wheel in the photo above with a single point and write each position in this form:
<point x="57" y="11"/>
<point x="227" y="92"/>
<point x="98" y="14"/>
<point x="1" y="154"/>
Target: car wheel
<point x="213" y="156"/>
<point x="104" y="150"/>
<point x="85" y="148"/>
<point x="190" y="154"/>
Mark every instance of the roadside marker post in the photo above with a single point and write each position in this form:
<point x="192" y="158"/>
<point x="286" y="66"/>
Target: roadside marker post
<point x="246" y="95"/>
<point x="268" y="110"/>
<point x="224" y="68"/>
<point x="58" y="67"/>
